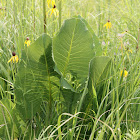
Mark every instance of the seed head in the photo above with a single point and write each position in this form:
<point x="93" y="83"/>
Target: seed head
<point x="13" y="53"/>
<point x="27" y="38"/>
<point x="54" y="6"/>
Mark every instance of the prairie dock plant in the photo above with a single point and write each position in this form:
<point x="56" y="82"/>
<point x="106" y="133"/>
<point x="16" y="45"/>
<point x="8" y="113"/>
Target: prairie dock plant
<point x="69" y="70"/>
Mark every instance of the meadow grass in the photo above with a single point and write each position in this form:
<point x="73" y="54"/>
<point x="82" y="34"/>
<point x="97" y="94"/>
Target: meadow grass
<point x="118" y="114"/>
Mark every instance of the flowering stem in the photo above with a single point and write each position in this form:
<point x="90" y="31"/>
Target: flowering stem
<point x="33" y="9"/>
<point x="99" y="19"/>
<point x="60" y="4"/>
<point x="44" y="15"/>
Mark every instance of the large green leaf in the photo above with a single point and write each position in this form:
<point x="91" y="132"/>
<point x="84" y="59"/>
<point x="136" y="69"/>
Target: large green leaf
<point x="71" y="100"/>
<point x="99" y="69"/>
<point x="96" y="42"/>
<point x="35" y="80"/>
<point x="73" y="48"/>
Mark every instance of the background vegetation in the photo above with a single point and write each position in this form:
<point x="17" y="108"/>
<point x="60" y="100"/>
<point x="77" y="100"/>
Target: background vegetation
<point x="40" y="99"/>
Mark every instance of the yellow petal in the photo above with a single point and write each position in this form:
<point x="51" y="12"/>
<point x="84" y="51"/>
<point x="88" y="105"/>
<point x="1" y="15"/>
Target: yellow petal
<point x="52" y="11"/>
<point x="105" y="25"/>
<point x="25" y="42"/>
<point x="13" y="59"/>
<point x="53" y="3"/>
<point x="16" y="58"/>
<point x="109" y="25"/>
<point x="48" y="2"/>
<point x="28" y="43"/>
<point x="125" y="73"/>
<point x="10" y="60"/>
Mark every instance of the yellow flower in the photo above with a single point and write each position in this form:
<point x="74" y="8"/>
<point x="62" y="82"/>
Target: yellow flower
<point x="124" y="72"/>
<point x="53" y="9"/>
<point x="27" y="41"/>
<point x="108" y="25"/>
<point x="48" y="2"/>
<point x="14" y="58"/>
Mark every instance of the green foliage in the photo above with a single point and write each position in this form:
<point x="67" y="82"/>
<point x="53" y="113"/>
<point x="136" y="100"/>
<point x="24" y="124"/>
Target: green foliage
<point x="98" y="74"/>
<point x="35" y="81"/>
<point x="132" y="135"/>
<point x="7" y="113"/>
<point x="96" y="42"/>
<point x="63" y="87"/>
<point x="72" y="48"/>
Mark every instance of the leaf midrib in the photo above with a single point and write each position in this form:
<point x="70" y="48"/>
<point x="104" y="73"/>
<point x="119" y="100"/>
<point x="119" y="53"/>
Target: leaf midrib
<point x="68" y="58"/>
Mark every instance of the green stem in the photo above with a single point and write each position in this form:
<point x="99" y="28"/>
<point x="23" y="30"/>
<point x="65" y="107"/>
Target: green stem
<point x="44" y="15"/>
<point x="99" y="18"/>
<point x="33" y="11"/>
<point x="60" y="8"/>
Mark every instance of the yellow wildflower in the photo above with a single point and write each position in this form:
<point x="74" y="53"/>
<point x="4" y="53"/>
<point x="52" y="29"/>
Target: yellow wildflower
<point x="124" y="72"/>
<point x="27" y="41"/>
<point x="53" y="9"/>
<point x="108" y="24"/>
<point x="14" y="58"/>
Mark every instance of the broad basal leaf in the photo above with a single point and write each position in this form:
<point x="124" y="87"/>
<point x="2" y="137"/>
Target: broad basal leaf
<point x="35" y="80"/>
<point x="99" y="69"/>
<point x="96" y="42"/>
<point x="73" y="48"/>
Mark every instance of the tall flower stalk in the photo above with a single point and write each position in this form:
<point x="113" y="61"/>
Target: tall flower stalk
<point x="44" y="15"/>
